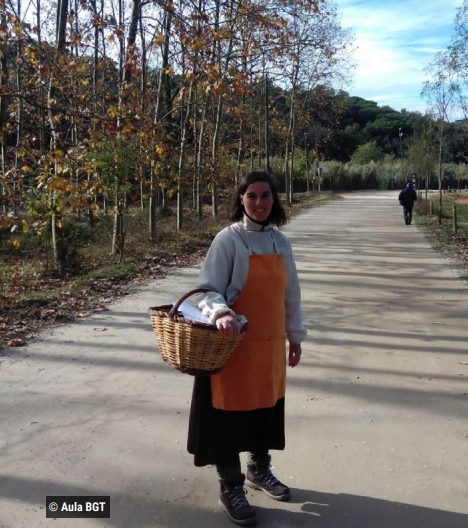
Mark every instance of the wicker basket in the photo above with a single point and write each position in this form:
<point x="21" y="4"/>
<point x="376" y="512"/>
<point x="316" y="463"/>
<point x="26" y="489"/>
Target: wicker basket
<point x="191" y="347"/>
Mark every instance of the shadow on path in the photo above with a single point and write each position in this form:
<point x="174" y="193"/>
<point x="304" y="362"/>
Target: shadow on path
<point x="317" y="509"/>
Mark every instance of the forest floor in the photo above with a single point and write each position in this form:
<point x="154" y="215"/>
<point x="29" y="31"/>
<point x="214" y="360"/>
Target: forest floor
<point x="442" y="236"/>
<point x="32" y="297"/>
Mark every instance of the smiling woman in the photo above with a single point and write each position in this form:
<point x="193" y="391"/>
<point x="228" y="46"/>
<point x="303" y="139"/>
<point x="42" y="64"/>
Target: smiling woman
<point x="249" y="270"/>
<point x="258" y="201"/>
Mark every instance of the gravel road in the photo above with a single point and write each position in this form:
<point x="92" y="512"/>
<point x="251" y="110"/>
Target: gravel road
<point x="377" y="432"/>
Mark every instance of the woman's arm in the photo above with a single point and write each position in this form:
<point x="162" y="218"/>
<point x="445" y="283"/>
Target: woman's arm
<point x="216" y="275"/>
<point x="295" y="328"/>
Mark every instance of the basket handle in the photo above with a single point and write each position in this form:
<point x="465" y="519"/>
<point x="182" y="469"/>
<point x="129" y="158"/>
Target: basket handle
<point x="182" y="299"/>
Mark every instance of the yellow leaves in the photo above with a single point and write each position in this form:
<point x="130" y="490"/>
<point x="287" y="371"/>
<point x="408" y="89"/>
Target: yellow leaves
<point x="85" y="82"/>
<point x="198" y="46"/>
<point x="17" y="28"/>
<point x="55" y="183"/>
<point x="218" y="87"/>
<point x="32" y="52"/>
<point x="112" y="112"/>
<point x="56" y="155"/>
<point x="158" y="40"/>
<point x="15" y="242"/>
<point x="159" y="150"/>
<point x="4" y="222"/>
<point x="128" y="127"/>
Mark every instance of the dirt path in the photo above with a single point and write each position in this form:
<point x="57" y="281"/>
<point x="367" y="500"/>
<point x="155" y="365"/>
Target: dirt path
<point x="377" y="411"/>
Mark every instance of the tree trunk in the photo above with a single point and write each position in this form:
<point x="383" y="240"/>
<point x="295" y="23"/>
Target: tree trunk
<point x="58" y="246"/>
<point x="153" y="198"/>
<point x="62" y="14"/>
<point x="287" y="170"/>
<point x="132" y="33"/>
<point x="219" y="107"/>
<point x="3" y="99"/>
<point x="19" y="87"/>
<point x="293" y="151"/>
<point x="163" y="93"/>
<point x="96" y="49"/>
<point x="118" y="235"/>
<point x="185" y="120"/>
<point x="240" y="148"/>
<point x="42" y="113"/>
<point x="267" y="126"/>
<point x="144" y="85"/>
<point x="440" y="153"/>
<point x="162" y="107"/>
<point x="201" y="160"/>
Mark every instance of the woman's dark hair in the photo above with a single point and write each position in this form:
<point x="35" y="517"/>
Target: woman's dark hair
<point x="277" y="215"/>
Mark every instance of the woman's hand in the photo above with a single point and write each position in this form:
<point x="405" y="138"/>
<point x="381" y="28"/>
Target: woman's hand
<point x="295" y="351"/>
<point x="228" y="325"/>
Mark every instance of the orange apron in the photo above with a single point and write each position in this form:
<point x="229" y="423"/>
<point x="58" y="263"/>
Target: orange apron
<point x="255" y="375"/>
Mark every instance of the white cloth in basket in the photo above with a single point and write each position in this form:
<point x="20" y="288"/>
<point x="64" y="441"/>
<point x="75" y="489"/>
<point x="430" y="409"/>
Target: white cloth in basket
<point x="192" y="312"/>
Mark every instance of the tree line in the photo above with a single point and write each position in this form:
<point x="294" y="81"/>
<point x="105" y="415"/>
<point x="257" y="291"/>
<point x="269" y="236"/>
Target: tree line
<point x="103" y="102"/>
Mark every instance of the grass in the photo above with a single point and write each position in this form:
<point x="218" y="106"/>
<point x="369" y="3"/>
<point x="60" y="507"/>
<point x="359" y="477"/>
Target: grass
<point x="442" y="236"/>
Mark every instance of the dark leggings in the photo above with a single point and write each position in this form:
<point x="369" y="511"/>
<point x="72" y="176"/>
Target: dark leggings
<point x="229" y="467"/>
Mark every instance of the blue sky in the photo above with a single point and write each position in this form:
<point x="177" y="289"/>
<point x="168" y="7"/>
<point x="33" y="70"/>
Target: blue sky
<point x="396" y="40"/>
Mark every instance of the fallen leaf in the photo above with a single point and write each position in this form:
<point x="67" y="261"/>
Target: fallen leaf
<point x="83" y="314"/>
<point x="15" y="342"/>
<point x="100" y="329"/>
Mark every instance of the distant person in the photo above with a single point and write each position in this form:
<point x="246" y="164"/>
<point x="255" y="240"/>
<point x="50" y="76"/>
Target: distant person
<point x="407" y="197"/>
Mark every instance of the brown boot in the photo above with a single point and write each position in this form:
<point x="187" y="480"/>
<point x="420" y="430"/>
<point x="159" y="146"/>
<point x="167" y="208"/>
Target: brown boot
<point x="264" y="480"/>
<point x="233" y="502"/>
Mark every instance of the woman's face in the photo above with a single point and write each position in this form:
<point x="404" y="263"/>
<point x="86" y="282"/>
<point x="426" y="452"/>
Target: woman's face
<point x="258" y="201"/>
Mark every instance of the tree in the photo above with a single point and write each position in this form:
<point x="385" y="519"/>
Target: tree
<point x="457" y="58"/>
<point x="314" y="54"/>
<point x="421" y="159"/>
<point x="439" y="93"/>
<point x="366" y="153"/>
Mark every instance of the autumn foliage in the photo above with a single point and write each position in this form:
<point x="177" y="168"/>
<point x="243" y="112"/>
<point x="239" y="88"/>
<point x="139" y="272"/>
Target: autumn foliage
<point x="107" y="104"/>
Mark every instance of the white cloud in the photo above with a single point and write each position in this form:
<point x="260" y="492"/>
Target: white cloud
<point x="395" y="42"/>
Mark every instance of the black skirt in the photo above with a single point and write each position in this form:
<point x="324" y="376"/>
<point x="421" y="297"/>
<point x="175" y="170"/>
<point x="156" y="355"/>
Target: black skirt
<point x="213" y="432"/>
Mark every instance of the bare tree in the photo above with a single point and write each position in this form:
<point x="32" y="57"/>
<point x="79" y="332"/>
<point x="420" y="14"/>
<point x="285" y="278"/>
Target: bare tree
<point x="439" y="92"/>
<point x="4" y="48"/>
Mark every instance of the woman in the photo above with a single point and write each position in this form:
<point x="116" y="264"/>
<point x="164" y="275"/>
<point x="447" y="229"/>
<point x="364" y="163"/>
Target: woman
<point x="250" y="271"/>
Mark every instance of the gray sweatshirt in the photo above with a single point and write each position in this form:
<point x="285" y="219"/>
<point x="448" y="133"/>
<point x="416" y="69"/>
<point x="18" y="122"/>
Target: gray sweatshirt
<point x="226" y="267"/>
